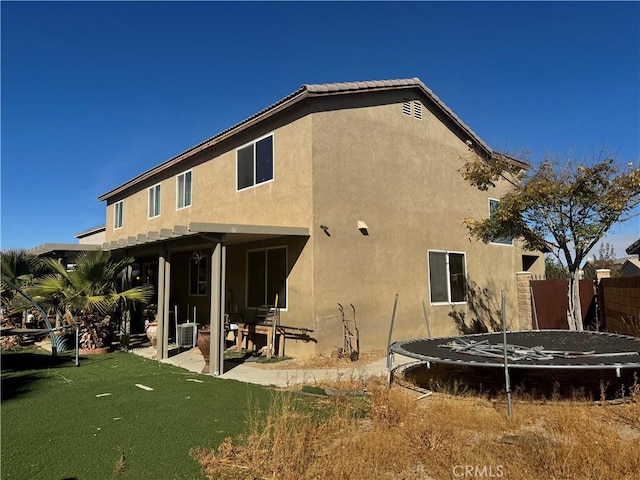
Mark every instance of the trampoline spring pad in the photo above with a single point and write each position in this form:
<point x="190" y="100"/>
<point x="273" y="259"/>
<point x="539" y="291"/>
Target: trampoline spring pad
<point x="528" y="349"/>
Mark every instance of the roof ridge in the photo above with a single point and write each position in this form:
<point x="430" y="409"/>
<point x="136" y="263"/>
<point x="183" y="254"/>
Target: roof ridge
<point x="292" y="98"/>
<point x="361" y="85"/>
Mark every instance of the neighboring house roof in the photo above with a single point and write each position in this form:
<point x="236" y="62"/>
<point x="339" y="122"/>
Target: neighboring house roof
<point x="620" y="261"/>
<point x="91" y="231"/>
<point x="310" y="91"/>
<point x="634" y="248"/>
<point x="630" y="267"/>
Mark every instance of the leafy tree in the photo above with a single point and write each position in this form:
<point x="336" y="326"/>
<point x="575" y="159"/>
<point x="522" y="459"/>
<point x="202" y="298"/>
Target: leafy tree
<point x="88" y="293"/>
<point x="554" y="270"/>
<point x="606" y="258"/>
<point x="566" y="208"/>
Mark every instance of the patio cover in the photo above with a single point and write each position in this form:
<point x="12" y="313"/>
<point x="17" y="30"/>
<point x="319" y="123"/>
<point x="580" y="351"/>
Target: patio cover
<point x="47" y="248"/>
<point x="220" y="235"/>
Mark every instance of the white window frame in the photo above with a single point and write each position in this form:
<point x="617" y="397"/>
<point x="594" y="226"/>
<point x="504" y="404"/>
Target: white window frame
<point x="182" y="196"/>
<point x="448" y="277"/>
<point x="273" y="161"/>
<point x="504" y="244"/>
<point x="286" y="280"/>
<point x="118" y="210"/>
<point x="156" y="191"/>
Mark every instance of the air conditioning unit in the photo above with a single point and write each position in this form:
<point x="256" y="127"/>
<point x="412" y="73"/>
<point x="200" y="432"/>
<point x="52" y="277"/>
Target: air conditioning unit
<point x="187" y="334"/>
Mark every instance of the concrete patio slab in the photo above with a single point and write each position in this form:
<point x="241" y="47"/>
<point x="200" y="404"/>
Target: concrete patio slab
<point x="192" y="361"/>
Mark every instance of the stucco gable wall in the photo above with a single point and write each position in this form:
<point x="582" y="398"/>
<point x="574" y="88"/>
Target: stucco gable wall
<point x="398" y="175"/>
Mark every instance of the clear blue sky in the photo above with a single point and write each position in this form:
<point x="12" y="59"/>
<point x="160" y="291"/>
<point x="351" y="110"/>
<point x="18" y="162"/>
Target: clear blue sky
<point x="94" y="93"/>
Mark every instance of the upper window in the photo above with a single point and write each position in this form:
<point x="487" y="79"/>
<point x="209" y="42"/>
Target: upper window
<point x="254" y="163"/>
<point x="266" y="277"/>
<point x="493" y="205"/>
<point x="154" y="201"/>
<point x="117" y="215"/>
<point x="183" y="190"/>
<point x="447" y="277"/>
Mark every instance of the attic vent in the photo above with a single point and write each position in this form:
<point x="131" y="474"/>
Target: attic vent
<point x="406" y="107"/>
<point x="417" y="110"/>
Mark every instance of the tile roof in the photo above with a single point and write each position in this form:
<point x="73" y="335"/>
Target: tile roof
<point x="90" y="231"/>
<point x="307" y="91"/>
<point x="634" y="248"/>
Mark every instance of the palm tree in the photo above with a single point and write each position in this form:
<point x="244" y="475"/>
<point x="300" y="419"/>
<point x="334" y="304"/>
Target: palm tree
<point x="89" y="294"/>
<point x="19" y="269"/>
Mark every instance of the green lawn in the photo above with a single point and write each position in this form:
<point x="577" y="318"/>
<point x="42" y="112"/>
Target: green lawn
<point x="57" y="422"/>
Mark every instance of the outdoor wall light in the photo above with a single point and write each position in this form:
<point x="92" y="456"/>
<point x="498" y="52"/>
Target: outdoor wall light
<point x="364" y="230"/>
<point x="196" y="257"/>
<point x="325" y="229"/>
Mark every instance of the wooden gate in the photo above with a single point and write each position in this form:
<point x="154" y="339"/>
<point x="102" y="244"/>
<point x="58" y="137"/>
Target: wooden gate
<point x="551" y="303"/>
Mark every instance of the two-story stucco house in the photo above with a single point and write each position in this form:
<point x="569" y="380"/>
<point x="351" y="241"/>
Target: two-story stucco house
<point x="339" y="193"/>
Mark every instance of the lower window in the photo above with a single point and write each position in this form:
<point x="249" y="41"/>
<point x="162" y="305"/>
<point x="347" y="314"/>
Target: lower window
<point x="447" y="277"/>
<point x="266" y="277"/>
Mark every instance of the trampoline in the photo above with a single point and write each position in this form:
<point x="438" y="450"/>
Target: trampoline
<point x="549" y="349"/>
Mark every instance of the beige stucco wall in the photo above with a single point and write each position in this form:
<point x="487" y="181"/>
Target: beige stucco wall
<point x="285" y="201"/>
<point x="94" y="239"/>
<point x="299" y="311"/>
<point x="349" y="161"/>
<point x="399" y="175"/>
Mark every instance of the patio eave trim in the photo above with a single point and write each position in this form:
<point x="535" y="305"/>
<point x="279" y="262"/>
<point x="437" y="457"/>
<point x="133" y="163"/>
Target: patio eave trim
<point x="195" y="228"/>
<point x="200" y="227"/>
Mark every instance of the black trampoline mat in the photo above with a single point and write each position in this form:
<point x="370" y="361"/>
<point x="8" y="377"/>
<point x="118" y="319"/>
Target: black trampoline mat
<point x="430" y="350"/>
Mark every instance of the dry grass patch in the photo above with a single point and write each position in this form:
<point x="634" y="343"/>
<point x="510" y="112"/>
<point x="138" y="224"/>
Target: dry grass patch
<point x="322" y="361"/>
<point x="392" y="435"/>
<point x="121" y="463"/>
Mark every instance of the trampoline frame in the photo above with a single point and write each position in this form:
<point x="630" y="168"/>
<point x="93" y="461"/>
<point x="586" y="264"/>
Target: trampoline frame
<point x="598" y="363"/>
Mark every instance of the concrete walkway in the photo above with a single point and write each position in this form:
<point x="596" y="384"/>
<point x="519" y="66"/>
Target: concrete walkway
<point x="192" y="361"/>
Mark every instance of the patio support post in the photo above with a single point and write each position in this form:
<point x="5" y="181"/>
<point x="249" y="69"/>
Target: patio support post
<point x="164" y="287"/>
<point x="164" y="338"/>
<point x="160" y="314"/>
<point x="223" y="305"/>
<point x="216" y="347"/>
